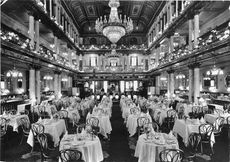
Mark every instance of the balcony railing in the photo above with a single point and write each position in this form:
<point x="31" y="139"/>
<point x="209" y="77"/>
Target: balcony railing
<point x="43" y="52"/>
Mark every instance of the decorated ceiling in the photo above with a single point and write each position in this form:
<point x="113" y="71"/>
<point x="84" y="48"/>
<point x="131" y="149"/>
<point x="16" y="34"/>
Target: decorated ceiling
<point x="85" y="13"/>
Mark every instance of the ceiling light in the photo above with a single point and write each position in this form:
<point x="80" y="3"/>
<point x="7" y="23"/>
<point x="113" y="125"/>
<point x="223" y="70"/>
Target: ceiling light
<point x="115" y="27"/>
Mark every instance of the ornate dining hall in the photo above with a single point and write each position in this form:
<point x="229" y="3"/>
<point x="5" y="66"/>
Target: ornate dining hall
<point x="115" y="81"/>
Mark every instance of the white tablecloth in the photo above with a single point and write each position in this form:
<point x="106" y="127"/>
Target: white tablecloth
<point x="132" y="122"/>
<point x="21" y="108"/>
<point x="91" y="150"/>
<point x="210" y="118"/>
<point x="220" y="107"/>
<point x="185" y="128"/>
<point x="148" y="151"/>
<point x="52" y="127"/>
<point x="14" y="120"/>
<point x="104" y="124"/>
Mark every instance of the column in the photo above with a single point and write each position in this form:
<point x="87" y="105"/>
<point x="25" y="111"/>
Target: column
<point x="172" y="83"/>
<point x="196" y="29"/>
<point x="176" y="8"/>
<point x="127" y="62"/>
<point x="37" y="35"/>
<point x="158" y="84"/>
<point x="70" y="81"/>
<point x="31" y="30"/>
<point x="56" y="10"/>
<point x="191" y="83"/>
<point x="32" y="89"/>
<point x="51" y="7"/>
<point x="196" y="82"/>
<point x="190" y="32"/>
<point x="57" y="84"/>
<point x="45" y="6"/>
<point x="56" y="45"/>
<point x="168" y="85"/>
<point x="38" y="85"/>
<point x="170" y="11"/>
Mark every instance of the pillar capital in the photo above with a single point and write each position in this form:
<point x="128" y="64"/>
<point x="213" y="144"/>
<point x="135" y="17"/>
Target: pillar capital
<point x="34" y="67"/>
<point x="57" y="72"/>
<point x="194" y="65"/>
<point x="170" y="71"/>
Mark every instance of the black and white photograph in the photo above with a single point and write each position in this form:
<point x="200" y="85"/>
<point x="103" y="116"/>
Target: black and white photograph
<point x="115" y="81"/>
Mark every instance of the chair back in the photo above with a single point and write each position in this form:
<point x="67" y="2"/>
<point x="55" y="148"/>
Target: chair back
<point x="228" y="121"/>
<point x="193" y="142"/>
<point x="3" y="125"/>
<point x="56" y="116"/>
<point x="134" y="110"/>
<point x="37" y="129"/>
<point x="93" y="121"/>
<point x="63" y="114"/>
<point x="205" y="130"/>
<point x="43" y="141"/>
<point x="75" y="118"/>
<point x="155" y="126"/>
<point x="171" y="155"/>
<point x="53" y="109"/>
<point x="26" y="112"/>
<point x="158" y="116"/>
<point x="141" y="121"/>
<point x="218" y="124"/>
<point x="171" y="114"/>
<point x="69" y="155"/>
<point x="25" y="123"/>
<point x="195" y="109"/>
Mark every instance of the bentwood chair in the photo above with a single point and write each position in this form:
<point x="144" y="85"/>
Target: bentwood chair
<point x="228" y="121"/>
<point x="155" y="126"/>
<point x="94" y="122"/>
<point x="141" y="122"/>
<point x="218" y="125"/>
<point x="205" y="131"/>
<point x="70" y="155"/>
<point x="25" y="124"/>
<point x="171" y="155"/>
<point x="3" y="124"/>
<point x="36" y="130"/>
<point x="193" y="144"/>
<point x="171" y="117"/>
<point x="46" y="152"/>
<point x="64" y="115"/>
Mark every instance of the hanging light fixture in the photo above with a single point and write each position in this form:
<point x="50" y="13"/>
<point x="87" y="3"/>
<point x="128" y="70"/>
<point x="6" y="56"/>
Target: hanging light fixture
<point x="115" y="27"/>
<point x="215" y="71"/>
<point x="14" y="73"/>
<point x="180" y="76"/>
<point x="48" y="77"/>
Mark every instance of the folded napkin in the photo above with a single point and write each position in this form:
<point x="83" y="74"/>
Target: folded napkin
<point x="170" y="135"/>
<point x="40" y="119"/>
<point x="4" y="113"/>
<point x="202" y="121"/>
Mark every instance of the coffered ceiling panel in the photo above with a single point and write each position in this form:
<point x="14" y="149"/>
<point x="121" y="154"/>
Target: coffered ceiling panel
<point x="86" y="12"/>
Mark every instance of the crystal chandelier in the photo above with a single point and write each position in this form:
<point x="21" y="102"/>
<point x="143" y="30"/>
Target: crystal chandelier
<point x="115" y="27"/>
<point x="14" y="73"/>
<point x="215" y="71"/>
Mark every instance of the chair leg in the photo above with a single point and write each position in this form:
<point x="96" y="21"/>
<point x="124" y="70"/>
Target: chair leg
<point x="201" y="147"/>
<point x="21" y="140"/>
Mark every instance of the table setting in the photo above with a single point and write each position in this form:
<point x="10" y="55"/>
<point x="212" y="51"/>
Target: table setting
<point x="85" y="142"/>
<point x="150" y="144"/>
<point x="54" y="127"/>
